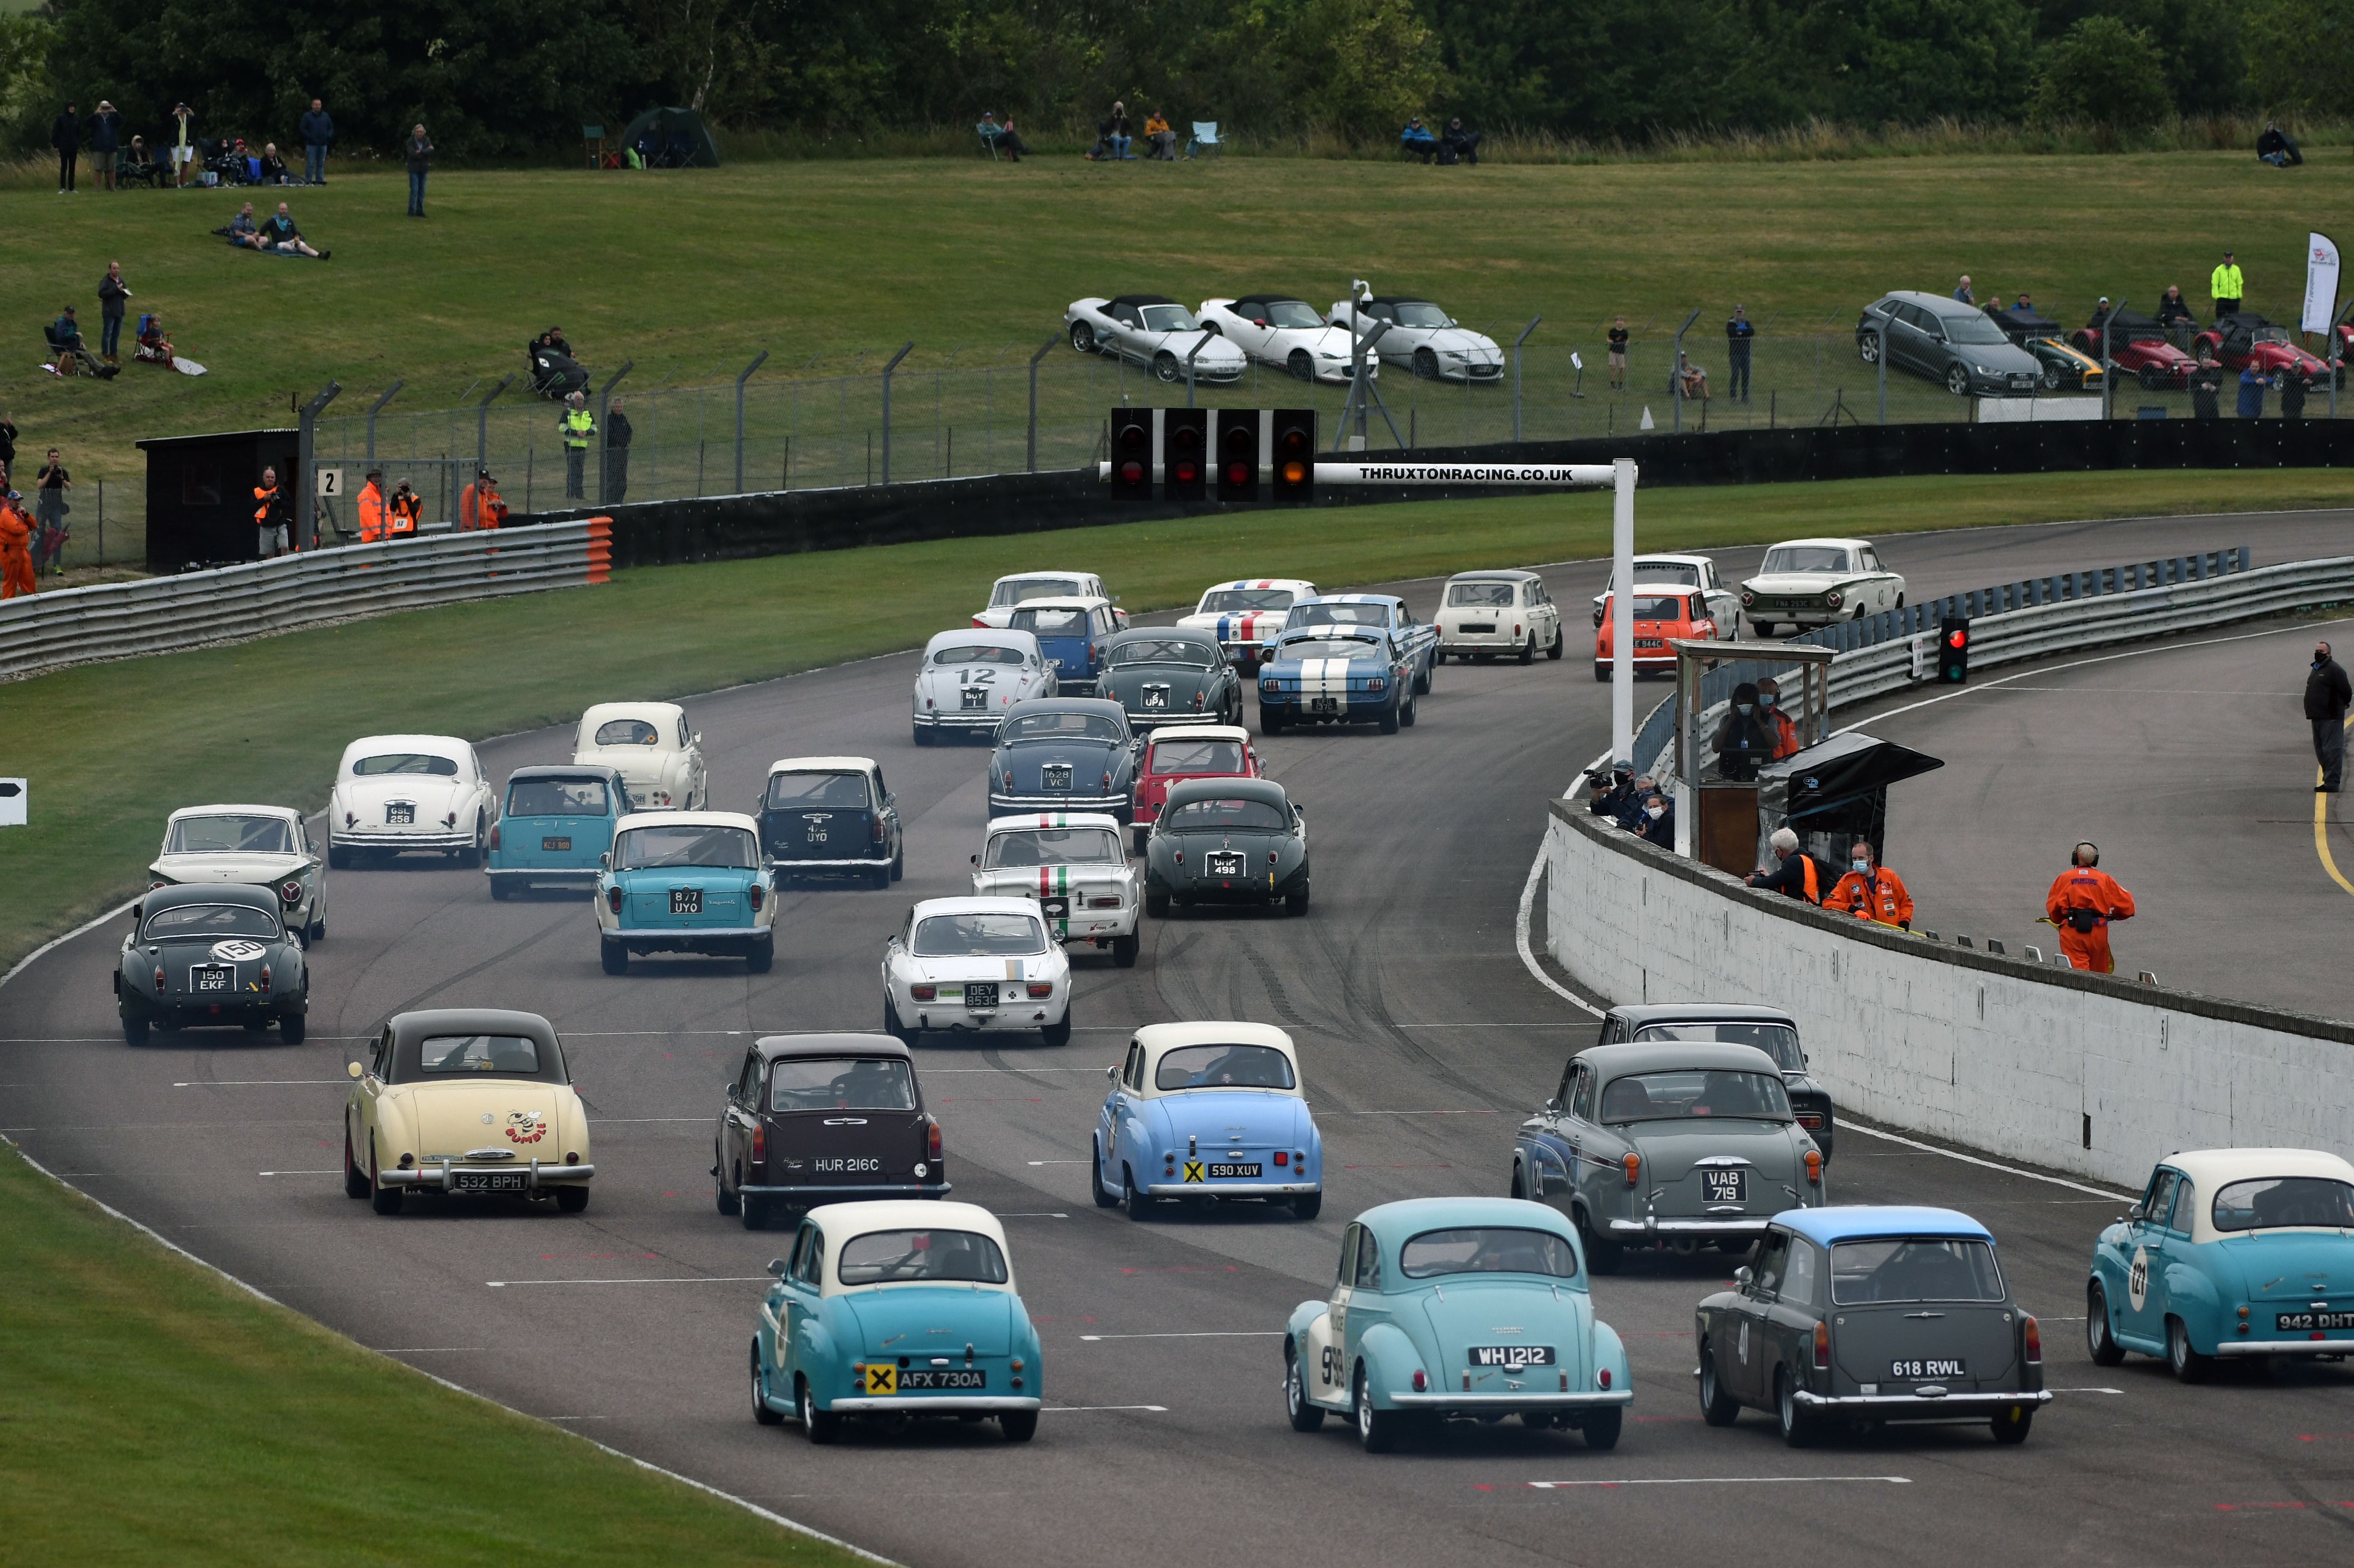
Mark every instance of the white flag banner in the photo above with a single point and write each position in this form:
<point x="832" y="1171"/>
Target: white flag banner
<point x="2320" y="283"/>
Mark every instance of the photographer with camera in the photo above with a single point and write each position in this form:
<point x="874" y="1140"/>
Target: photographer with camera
<point x="1612" y="792"/>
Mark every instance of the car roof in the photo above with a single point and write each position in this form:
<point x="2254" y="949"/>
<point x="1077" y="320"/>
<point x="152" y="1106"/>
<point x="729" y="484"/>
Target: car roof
<point x="207" y="893"/>
<point x="1031" y="821"/>
<point x="1266" y="789"/>
<point x="1042" y="572"/>
<point x="1268" y="299"/>
<point x="629" y="710"/>
<point x="1843" y="544"/>
<point x="1351" y="598"/>
<point x="842" y="1221"/>
<point x="1261" y="582"/>
<point x="563" y="770"/>
<point x="1941" y="304"/>
<point x="1201" y="732"/>
<point x="1162" y="634"/>
<point x="1642" y="587"/>
<point x="974" y="904"/>
<point x="1103" y="706"/>
<point x="1498" y="575"/>
<point x="1640" y="1016"/>
<point x="981" y="635"/>
<point x="821" y="765"/>
<point x="686" y="819"/>
<point x="836" y="1042"/>
<point x="1395" y="1222"/>
<point x="375" y="743"/>
<point x="1678" y="1055"/>
<point x="1158" y="1039"/>
<point x="2214" y="1167"/>
<point x="416" y="1025"/>
<point x="1858" y="1222"/>
<point x="1062" y="601"/>
<point x="1397" y="300"/>
<point x="287" y="813"/>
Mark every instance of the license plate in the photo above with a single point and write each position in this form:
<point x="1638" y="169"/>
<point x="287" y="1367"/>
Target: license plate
<point x="1250" y="1170"/>
<point x="555" y="843"/>
<point x="2307" y="1322"/>
<point x="211" y="976"/>
<point x="399" y="816"/>
<point x="980" y="996"/>
<point x="1724" y="1186"/>
<point x="1512" y="1356"/>
<point x="1917" y="1372"/>
<point x="1055" y="908"/>
<point x="1324" y="705"/>
<point x="1156" y="696"/>
<point x="686" y="901"/>
<point x="1223" y="862"/>
<point x="973" y="697"/>
<point x="812" y="833"/>
<point x="1055" y="775"/>
<point x="1482" y="631"/>
<point x="488" y="1181"/>
<point x="922" y="1380"/>
<point x="1648" y="643"/>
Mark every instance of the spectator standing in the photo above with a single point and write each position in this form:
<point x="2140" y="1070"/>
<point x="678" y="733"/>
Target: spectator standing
<point x="403" y="512"/>
<point x="2227" y="287"/>
<point x="617" y="453"/>
<point x="110" y="295"/>
<point x="105" y="143"/>
<point x="2292" y="390"/>
<point x="1769" y="711"/>
<point x="372" y="507"/>
<point x="2024" y="304"/>
<point x="2252" y="392"/>
<point x="65" y="136"/>
<point x="184" y="151"/>
<point x="577" y="427"/>
<point x="481" y="506"/>
<point x="1738" y="334"/>
<point x="1794" y="875"/>
<point x="1742" y="740"/>
<point x="8" y="440"/>
<point x="318" y="130"/>
<point x="16" y="544"/>
<point x="53" y="482"/>
<point x="1871" y="892"/>
<point x="2082" y="902"/>
<point x="1963" y="293"/>
<point x="2326" y="697"/>
<point x="420" y="149"/>
<point x="2206" y="386"/>
<point x="273" y="515"/>
<point x="1619" y="335"/>
<point x="1457" y="145"/>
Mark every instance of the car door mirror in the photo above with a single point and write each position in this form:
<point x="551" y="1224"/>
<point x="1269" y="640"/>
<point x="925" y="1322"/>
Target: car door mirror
<point x="1742" y="1278"/>
<point x="698" y="738"/>
<point x="135" y="909"/>
<point x="777" y="1268"/>
<point x="1112" y="1073"/>
<point x="976" y="860"/>
<point x="1552" y="1105"/>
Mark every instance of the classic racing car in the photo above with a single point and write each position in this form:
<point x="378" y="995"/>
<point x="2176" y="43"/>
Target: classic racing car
<point x="469" y="1100"/>
<point x="690" y="882"/>
<point x="1279" y="330"/>
<point x="1482" y="614"/>
<point x="1424" y="338"/>
<point x="1071" y="634"/>
<point x="1063" y="754"/>
<point x="975" y="966"/>
<point x="259" y="846"/>
<point x="1769" y="1029"/>
<point x="1463" y="1309"/>
<point x="207" y="953"/>
<point x="2231" y="1253"/>
<point x="1417" y="642"/>
<point x="1227" y="840"/>
<point x="2047" y="340"/>
<point x="1188" y="751"/>
<point x="2247" y="338"/>
<point x="649" y="745"/>
<point x="824" y="1119"/>
<point x="1667" y="1144"/>
<point x="902" y="1310"/>
<point x="555" y="828"/>
<point x="2137" y="347"/>
<point x="1009" y="591"/>
<point x="1805" y="583"/>
<point x="1662" y="611"/>
<point x="966" y="682"/>
<point x="395" y="793"/>
<point x="1154" y="331"/>
<point x="831" y="816"/>
<point x="1211" y="1113"/>
<point x="1247" y="616"/>
<point x="1335" y="675"/>
<point x="1870" y="1315"/>
<point x="1072" y="864"/>
<point x="1684" y="571"/>
<point x="1170" y="674"/>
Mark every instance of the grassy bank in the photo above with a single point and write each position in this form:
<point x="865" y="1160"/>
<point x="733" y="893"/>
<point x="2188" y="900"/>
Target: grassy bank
<point x="154" y="1413"/>
<point x="111" y="748"/>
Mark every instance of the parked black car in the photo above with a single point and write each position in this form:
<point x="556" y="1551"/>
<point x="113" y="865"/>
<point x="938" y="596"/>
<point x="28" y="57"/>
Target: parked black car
<point x="824" y="1118"/>
<point x="1944" y="340"/>
<point x="830" y="816"/>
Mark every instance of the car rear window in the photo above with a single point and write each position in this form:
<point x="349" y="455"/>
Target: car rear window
<point x="1062" y="726"/>
<point x="1480" y="594"/>
<point x="1056" y="846"/>
<point x="627" y="732"/>
<point x="887" y="1258"/>
<point x="1297" y="648"/>
<point x="1340" y="615"/>
<point x="1014" y="590"/>
<point x="685" y="844"/>
<point x="1666" y="607"/>
<point x="1180" y="650"/>
<point x="840" y="1083"/>
<point x="979" y="653"/>
<point x="1196" y="757"/>
<point x="230" y="835"/>
<point x="510" y="1055"/>
<point x="1695" y="1092"/>
<point x="183" y="920"/>
<point x="558" y="798"/>
<point x="1913" y="1269"/>
<point x="1488" y="1249"/>
<point x="1223" y="1067"/>
<point x="2276" y="1203"/>
<point x="1778" y="1040"/>
<point x="1052" y="621"/>
<point x="1216" y="816"/>
<point x="977" y="936"/>
<point x="406" y="762"/>
<point x="1244" y="601"/>
<point x="843" y="791"/>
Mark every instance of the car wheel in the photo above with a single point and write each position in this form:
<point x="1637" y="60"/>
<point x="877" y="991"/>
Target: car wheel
<point x="571" y="1199"/>
<point x="339" y="859"/>
<point x="614" y="955"/>
<point x="1426" y="364"/>
<point x="1717" y="1406"/>
<point x="1297" y="903"/>
<point x="1866" y="347"/>
<point x="1797" y="1423"/>
<point x="2103" y="1345"/>
<point x="1528" y="650"/>
<point x="1057" y="1034"/>
<point x="1376" y="1429"/>
<point x="1270" y="721"/>
<point x="1302" y="368"/>
<point x="1157" y="906"/>
<point x="1103" y="1196"/>
<point x="727" y="1203"/>
<point x="923" y="735"/>
<point x="500" y="891"/>
<point x="880" y="878"/>
<point x="2189" y="1365"/>
<point x="134" y="1030"/>
<point x="291" y="1027"/>
<point x="355" y="1181"/>
<point x="1601" y="1256"/>
<point x="1601" y="1429"/>
<point x="1307" y="1205"/>
<point x="1166" y="368"/>
<point x="2051" y="378"/>
<point x="1019" y="1425"/>
<point x="1958" y="379"/>
<point x="1900" y="602"/>
<point x="761" y="957"/>
<point x="1762" y="628"/>
<point x="891" y="1025"/>
<point x="2011" y="1424"/>
<point x="1406" y="714"/>
<point x="761" y="1411"/>
<point x="1558" y="645"/>
<point x="1136" y="840"/>
<point x="1519" y="1187"/>
<point x="899" y="860"/>
<point x="821" y="1427"/>
<point x="383" y="1199"/>
<point x="1083" y="338"/>
<point x="1602" y="671"/>
<point x="1123" y="952"/>
<point x="1389" y="719"/>
<point x="1139" y="1204"/>
<point x="1305" y="1417"/>
<point x="756" y="1213"/>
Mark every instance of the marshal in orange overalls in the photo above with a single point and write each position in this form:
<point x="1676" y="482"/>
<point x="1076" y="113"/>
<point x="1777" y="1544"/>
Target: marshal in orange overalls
<point x="16" y="551"/>
<point x="2083" y="900"/>
<point x="371" y="513"/>
<point x="1879" y="896"/>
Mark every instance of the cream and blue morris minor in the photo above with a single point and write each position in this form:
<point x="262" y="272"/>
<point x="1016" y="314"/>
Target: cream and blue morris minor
<point x="1463" y="1309"/>
<point x="897" y="1311"/>
<point x="2231" y="1254"/>
<point x="1209" y="1113"/>
<point x="686" y="882"/>
<point x="1335" y="675"/>
<point x="1074" y="865"/>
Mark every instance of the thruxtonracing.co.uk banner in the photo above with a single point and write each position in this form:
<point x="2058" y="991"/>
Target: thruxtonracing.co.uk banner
<point x="1329" y="472"/>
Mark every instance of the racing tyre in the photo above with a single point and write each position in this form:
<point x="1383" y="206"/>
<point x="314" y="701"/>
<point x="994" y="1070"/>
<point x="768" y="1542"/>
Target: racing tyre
<point x="291" y="1027"/>
<point x="1602" y="673"/>
<point x="1083" y="338"/>
<point x="891" y="1025"/>
<point x="1297" y="903"/>
<point x="1558" y="646"/>
<point x="1797" y="1423"/>
<point x="1307" y="1205"/>
<point x="1957" y="380"/>
<point x="383" y="1199"/>
<point x="821" y="1427"/>
<point x="725" y="1201"/>
<point x="316" y="934"/>
<point x="1302" y="368"/>
<point x="1601" y="1429"/>
<point x="2011" y="1424"/>
<point x="1305" y="1417"/>
<point x="761" y="958"/>
<point x="1406" y="714"/>
<point x="1166" y="368"/>
<point x="1376" y="1429"/>
<point x="355" y="1182"/>
<point x="1900" y="602"/>
<point x="1123" y="952"/>
<point x="134" y="1030"/>
<point x="1426" y="364"/>
<point x="756" y="1213"/>
<point x="1136" y="838"/>
<point x="500" y="892"/>
<point x="1105" y="1198"/>
<point x="2188" y="1364"/>
<point x="923" y="735"/>
<point x="880" y="878"/>
<point x="1528" y="650"/>
<point x="1138" y="1204"/>
<point x="899" y="860"/>
<point x="1762" y="628"/>
<point x="1056" y="1035"/>
<point x="2103" y="1345"/>
<point x="615" y="956"/>
<point x="1390" y="720"/>
<point x="1520" y="1187"/>
<point x="471" y="856"/>
<point x="1019" y="1425"/>
<point x="761" y="1411"/>
<point x="571" y="1200"/>
<point x="1717" y="1406"/>
<point x="1157" y="906"/>
<point x="1601" y="1256"/>
<point x="1269" y="723"/>
<point x="339" y="859"/>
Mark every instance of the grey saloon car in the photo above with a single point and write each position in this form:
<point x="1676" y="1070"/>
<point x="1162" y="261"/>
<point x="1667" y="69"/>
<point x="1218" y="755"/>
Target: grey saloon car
<point x="1946" y="341"/>
<point x="1769" y="1029"/>
<point x="1668" y="1145"/>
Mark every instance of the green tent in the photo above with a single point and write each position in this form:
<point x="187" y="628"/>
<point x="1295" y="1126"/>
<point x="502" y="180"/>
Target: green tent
<point x="671" y="139"/>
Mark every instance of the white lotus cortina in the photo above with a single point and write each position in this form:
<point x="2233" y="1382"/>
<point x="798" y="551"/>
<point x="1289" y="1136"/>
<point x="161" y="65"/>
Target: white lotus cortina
<point x="261" y="846"/>
<point x="967" y="965"/>
<point x="395" y="793"/>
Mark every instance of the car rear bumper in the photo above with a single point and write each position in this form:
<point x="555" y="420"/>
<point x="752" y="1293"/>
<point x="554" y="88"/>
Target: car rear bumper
<point x="2286" y="1347"/>
<point x="979" y="723"/>
<point x="843" y="1192"/>
<point x="1459" y="1404"/>
<point x="701" y="940"/>
<point x="934" y="1404"/>
<point x="1231" y="1189"/>
<point x="360" y="838"/>
<point x="1002" y="805"/>
<point x="435" y="1178"/>
<point x="932" y="1019"/>
<point x="1885" y="1406"/>
<point x="1368" y="710"/>
<point x="1686" y="1230"/>
<point x="570" y="877"/>
<point x="861" y="863"/>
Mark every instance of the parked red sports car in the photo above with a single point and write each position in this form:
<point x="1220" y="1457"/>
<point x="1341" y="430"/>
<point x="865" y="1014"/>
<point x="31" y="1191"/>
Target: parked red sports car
<point x="2139" y="346"/>
<point x="2248" y="338"/>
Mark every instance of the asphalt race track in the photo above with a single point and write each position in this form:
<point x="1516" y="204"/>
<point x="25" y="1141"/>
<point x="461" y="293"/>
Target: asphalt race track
<point x="1425" y="1041"/>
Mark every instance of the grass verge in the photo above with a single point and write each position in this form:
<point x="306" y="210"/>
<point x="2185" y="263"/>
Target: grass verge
<point x="156" y="1413"/>
<point x="111" y="748"/>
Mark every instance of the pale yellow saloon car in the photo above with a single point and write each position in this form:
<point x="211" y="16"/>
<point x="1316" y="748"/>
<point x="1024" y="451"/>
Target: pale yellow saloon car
<point x="466" y="1101"/>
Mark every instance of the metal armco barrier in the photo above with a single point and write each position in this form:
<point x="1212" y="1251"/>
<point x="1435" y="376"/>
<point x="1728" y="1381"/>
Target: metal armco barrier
<point x="114" y="621"/>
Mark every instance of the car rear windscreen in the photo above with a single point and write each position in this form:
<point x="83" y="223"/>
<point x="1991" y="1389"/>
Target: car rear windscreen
<point x="842" y="792"/>
<point x="1340" y="615"/>
<point x="494" y="1054"/>
<point x="186" y="920"/>
<point x="1804" y="558"/>
<point x="1480" y="596"/>
<point x="1666" y="608"/>
<point x="1062" y="726"/>
<point x="1052" y="621"/>
<point x="1055" y="846"/>
<point x="2276" y="1203"/>
<point x="887" y="1257"/>
<point x="1223" y="1067"/>
<point x="1913" y="1269"/>
<point x="1196" y="757"/>
<point x="977" y="936"/>
<point x="1217" y="816"/>
<point x="840" y="1083"/>
<point x="1014" y="590"/>
<point x="558" y="798"/>
<point x="1244" y="601"/>
<point x="1695" y="1092"/>
<point x="1488" y="1249"/>
<point x="230" y="835"/>
<point x="1778" y="1040"/>
<point x="1178" y="651"/>
<point x="979" y="653"/>
<point x="406" y="762"/>
<point x="627" y="732"/>
<point x="684" y="845"/>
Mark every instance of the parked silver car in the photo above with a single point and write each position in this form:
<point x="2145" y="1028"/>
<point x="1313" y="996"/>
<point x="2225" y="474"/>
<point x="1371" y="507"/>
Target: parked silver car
<point x="1944" y="340"/>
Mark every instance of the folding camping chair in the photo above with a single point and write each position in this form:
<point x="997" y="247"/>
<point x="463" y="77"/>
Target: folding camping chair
<point x="989" y="134"/>
<point x="1206" y="134"/>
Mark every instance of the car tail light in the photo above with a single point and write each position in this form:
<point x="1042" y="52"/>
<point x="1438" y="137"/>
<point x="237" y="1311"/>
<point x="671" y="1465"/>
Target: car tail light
<point x="265" y="977"/>
<point x="159" y="981"/>
<point x="1822" y="1345"/>
<point x="613" y="899"/>
<point x="1281" y="1158"/>
<point x="1107" y="778"/>
<point x="753" y="895"/>
<point x="1300" y="1159"/>
<point x="154" y="885"/>
<point x="760" y="1143"/>
<point x="1110" y="903"/>
<point x="1814" y="1167"/>
<point x="1516" y="632"/>
<point x="1811" y="1120"/>
<point x="1270" y="857"/>
<point x="1602" y="1378"/>
<point x="290" y="893"/>
<point x="2033" y="1335"/>
<point x="978" y="621"/>
<point x="494" y="835"/>
<point x="874" y="834"/>
<point x="1179" y="855"/>
<point x="1376" y="683"/>
<point x="932" y="1140"/>
<point x="922" y="992"/>
<point x="450" y="819"/>
<point x="1197" y="699"/>
<point x="572" y="1156"/>
<point x="1038" y="990"/>
<point x="1634" y="1164"/>
<point x="1421" y="1381"/>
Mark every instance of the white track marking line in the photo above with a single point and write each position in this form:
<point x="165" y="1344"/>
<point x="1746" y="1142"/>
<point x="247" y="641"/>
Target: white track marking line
<point x="1989" y="1164"/>
<point x="1083" y="1409"/>
<point x="2087" y="1389"/>
<point x="298" y="1173"/>
<point x="248" y="1083"/>
<point x="1521" y="936"/>
<point x="1033" y="1214"/>
<point x="1059" y="1162"/>
<point x="436" y="1351"/>
<point x="1717" y="1481"/>
<point x="1196" y="1334"/>
<point x="671" y="1280"/>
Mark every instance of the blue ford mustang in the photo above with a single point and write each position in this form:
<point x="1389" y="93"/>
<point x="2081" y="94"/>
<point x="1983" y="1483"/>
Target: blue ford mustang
<point x="1416" y="640"/>
<point x="1063" y="754"/>
<point x="1335" y="675"/>
<point x="1209" y="1113"/>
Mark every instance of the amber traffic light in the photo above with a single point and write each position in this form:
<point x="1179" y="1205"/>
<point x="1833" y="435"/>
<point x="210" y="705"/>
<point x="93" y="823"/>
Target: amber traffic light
<point x="1295" y="454"/>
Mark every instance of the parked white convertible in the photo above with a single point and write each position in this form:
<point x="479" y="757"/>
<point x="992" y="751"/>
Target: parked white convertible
<point x="1424" y="338"/>
<point x="975" y="966"/>
<point x="1806" y="583"/>
<point x="1072" y="864"/>
<point x="261" y="846"/>
<point x="649" y="745"/>
<point x="1154" y="331"/>
<point x="1276" y="329"/>
<point x="969" y="678"/>
<point x="395" y="793"/>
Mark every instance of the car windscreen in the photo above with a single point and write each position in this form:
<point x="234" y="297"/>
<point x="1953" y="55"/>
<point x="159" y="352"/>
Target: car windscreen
<point x="1014" y="590"/>
<point x="1167" y="318"/>
<point x="840" y="1083"/>
<point x="1805" y="558"/>
<point x="1288" y="314"/>
<point x="1244" y="601"/>
<point x="1213" y="816"/>
<point x="891" y="1257"/>
<point x="1196" y="757"/>
<point x="1051" y="620"/>
<point x="406" y="762"/>
<point x="1223" y="1067"/>
<point x="1661" y="572"/>
<point x="1423" y="315"/>
<point x="843" y="791"/>
<point x="491" y="1056"/>
<point x="1332" y="648"/>
<point x="1056" y="846"/>
<point x="1778" y="1040"/>
<point x="1913" y="1269"/>
<point x="2274" y="1203"/>
<point x="685" y="844"/>
<point x="1488" y="1249"/>
<point x="627" y="732"/>
<point x="978" y="936"/>
<point x="1497" y="596"/>
<point x="1062" y="726"/>
<point x="1694" y="1093"/>
<point x="1340" y="615"/>
<point x="1181" y="651"/>
<point x="980" y="654"/>
<point x="230" y="835"/>
<point x="183" y="921"/>
<point x="557" y="797"/>
<point x="1971" y="326"/>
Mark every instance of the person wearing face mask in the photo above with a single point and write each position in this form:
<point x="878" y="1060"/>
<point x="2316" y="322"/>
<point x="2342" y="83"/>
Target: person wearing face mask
<point x="2326" y="697"/>
<point x="1657" y="822"/>
<point x="2082" y="902"/>
<point x="1743" y="739"/>
<point x="1872" y="893"/>
<point x="1796" y="877"/>
<point x="1769" y="708"/>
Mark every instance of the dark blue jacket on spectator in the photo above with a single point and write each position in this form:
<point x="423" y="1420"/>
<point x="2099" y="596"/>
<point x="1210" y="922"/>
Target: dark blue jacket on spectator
<point x="1661" y="831"/>
<point x="318" y="129"/>
<point x="2252" y="394"/>
<point x="106" y="131"/>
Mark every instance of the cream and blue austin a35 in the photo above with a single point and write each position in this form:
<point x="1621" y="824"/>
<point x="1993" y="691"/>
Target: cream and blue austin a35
<point x="686" y="882"/>
<point x="1456" y="1307"/>
<point x="975" y="966"/>
<point x="1074" y="865"/>
<point x="896" y="1310"/>
<point x="2231" y="1253"/>
<point x="1063" y="754"/>
<point x="1335" y="675"/>
<point x="1211" y="1113"/>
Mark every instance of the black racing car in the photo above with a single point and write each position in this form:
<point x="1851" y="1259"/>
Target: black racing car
<point x="1170" y="674"/>
<point x="1227" y="840"/>
<point x="210" y="954"/>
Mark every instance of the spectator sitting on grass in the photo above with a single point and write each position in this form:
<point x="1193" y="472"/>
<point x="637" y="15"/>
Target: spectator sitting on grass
<point x="138" y="163"/>
<point x="2274" y="147"/>
<point x="66" y="332"/>
<point x="242" y="232"/>
<point x="1693" y="382"/>
<point x="274" y="171"/>
<point x="1459" y="145"/>
<point x="1416" y="140"/>
<point x="279" y="234"/>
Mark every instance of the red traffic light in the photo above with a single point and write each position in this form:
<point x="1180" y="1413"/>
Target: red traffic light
<point x="1131" y="472"/>
<point x="1184" y="473"/>
<point x="1957" y="640"/>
